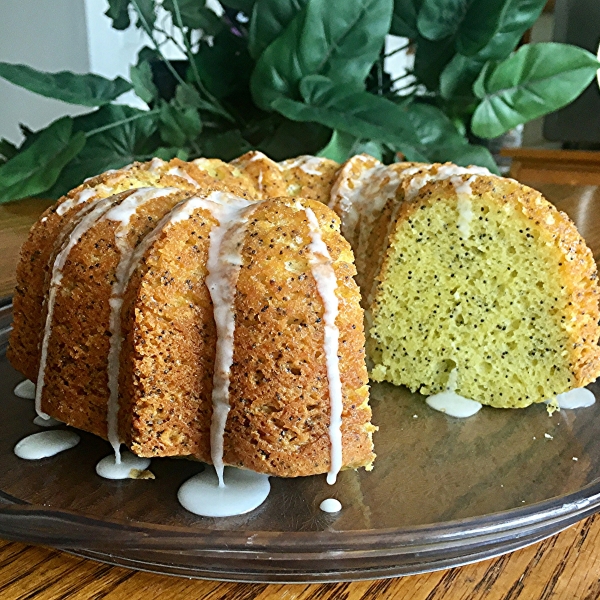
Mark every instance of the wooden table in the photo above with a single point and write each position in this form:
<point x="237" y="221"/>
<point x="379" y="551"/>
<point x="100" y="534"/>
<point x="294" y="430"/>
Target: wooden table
<point x="566" y="566"/>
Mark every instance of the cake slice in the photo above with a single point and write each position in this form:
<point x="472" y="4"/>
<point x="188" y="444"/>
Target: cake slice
<point x="279" y="386"/>
<point x="484" y="278"/>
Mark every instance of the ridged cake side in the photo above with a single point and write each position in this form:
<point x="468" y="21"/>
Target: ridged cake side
<point x="279" y="389"/>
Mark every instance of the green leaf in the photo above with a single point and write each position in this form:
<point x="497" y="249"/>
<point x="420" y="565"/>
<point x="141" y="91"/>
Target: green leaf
<point x="194" y="15"/>
<point x="269" y="20"/>
<point x="116" y="136"/>
<point x="536" y="80"/>
<point x="517" y="17"/>
<point x="461" y="73"/>
<point x="170" y="153"/>
<point x="358" y="113"/>
<point x="479" y="25"/>
<point x="291" y="138"/>
<point x="37" y="168"/>
<point x="7" y="150"/>
<point x="179" y="125"/>
<point x="118" y="12"/>
<point x="440" y="141"/>
<point x="342" y="146"/>
<point x="143" y="84"/>
<point x="404" y="18"/>
<point x="226" y="146"/>
<point x="472" y="22"/>
<point x="342" y="44"/>
<point x="84" y="90"/>
<point x="430" y="60"/>
<point x="421" y="132"/>
<point x="225" y="66"/>
<point x="146" y="13"/>
<point x="458" y="77"/>
<point x="441" y="18"/>
<point x="244" y="5"/>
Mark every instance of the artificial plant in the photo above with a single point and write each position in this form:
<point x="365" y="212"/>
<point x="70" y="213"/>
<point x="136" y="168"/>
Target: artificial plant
<point x="291" y="77"/>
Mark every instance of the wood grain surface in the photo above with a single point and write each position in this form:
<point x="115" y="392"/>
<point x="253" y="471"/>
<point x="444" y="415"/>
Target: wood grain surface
<point x="566" y="566"/>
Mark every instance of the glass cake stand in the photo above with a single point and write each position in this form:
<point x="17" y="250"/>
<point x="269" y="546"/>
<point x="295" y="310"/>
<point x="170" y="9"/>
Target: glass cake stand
<point x="444" y="492"/>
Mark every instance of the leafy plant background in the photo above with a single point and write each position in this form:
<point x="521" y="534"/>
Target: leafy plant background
<point x="291" y="77"/>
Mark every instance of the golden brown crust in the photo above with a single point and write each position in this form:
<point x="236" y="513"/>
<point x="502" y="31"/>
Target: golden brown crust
<point x="168" y="350"/>
<point x="278" y="423"/>
<point x="37" y="251"/>
<point x="76" y="383"/>
<point x="279" y="415"/>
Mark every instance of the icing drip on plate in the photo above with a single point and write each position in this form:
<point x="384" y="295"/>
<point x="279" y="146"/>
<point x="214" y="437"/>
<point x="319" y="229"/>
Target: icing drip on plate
<point x="50" y="422"/>
<point x="203" y="495"/>
<point x="451" y="403"/>
<point x="110" y="469"/>
<point x="325" y="278"/>
<point x="330" y="505"/>
<point x="25" y="389"/>
<point x="577" y="398"/>
<point x="46" y="443"/>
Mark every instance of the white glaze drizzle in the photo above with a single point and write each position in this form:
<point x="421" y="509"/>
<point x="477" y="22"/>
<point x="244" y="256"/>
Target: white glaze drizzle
<point x="223" y="267"/>
<point x="101" y="206"/>
<point x="464" y="205"/>
<point x="330" y="505"/>
<point x="351" y="200"/>
<point x="81" y="197"/>
<point x="25" y="389"/>
<point x="110" y="469"/>
<point x="41" y="422"/>
<point x="309" y="164"/>
<point x="155" y="166"/>
<point x="122" y="213"/>
<point x="45" y="444"/>
<point x="204" y="496"/>
<point x="576" y="398"/>
<point x="326" y="280"/>
<point x="443" y="172"/>
<point x="451" y="403"/>
<point x="179" y="172"/>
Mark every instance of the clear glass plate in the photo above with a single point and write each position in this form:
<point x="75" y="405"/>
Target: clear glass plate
<point x="444" y="492"/>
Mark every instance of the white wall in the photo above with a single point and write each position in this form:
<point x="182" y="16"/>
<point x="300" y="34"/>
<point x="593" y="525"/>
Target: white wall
<point x="45" y="34"/>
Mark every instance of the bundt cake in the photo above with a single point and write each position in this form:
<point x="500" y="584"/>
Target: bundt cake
<point x="209" y="309"/>
<point x="184" y="316"/>
<point x="464" y="272"/>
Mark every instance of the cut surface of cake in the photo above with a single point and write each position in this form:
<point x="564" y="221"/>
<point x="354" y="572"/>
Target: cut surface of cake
<point x="209" y="324"/>
<point x="476" y="275"/>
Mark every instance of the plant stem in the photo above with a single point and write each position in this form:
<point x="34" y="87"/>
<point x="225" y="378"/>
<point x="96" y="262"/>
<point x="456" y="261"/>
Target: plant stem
<point x="89" y="134"/>
<point x="148" y="31"/>
<point x="171" y="39"/>
<point x="405" y="47"/>
<point x="192" y="62"/>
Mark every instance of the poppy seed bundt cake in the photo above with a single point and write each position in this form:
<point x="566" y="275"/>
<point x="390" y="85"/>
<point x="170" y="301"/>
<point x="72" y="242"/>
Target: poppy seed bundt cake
<point x="209" y="309"/>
